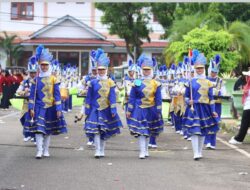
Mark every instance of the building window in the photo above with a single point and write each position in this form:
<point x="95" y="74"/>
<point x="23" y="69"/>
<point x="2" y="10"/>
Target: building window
<point x="23" y="60"/>
<point x="116" y="59"/>
<point x="84" y="63"/>
<point x="22" y="11"/>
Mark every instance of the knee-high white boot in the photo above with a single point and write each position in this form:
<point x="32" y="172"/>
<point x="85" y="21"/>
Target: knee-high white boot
<point x="195" y="145"/>
<point x="46" y="143"/>
<point x="146" y="147"/>
<point x="97" y="140"/>
<point x="39" y="145"/>
<point x="102" y="148"/>
<point x="142" y="145"/>
<point x="201" y="142"/>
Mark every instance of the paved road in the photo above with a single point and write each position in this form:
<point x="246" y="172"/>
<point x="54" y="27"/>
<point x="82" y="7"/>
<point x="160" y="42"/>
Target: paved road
<point x="72" y="165"/>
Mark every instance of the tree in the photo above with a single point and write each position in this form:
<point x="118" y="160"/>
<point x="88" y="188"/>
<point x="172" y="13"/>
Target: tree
<point x="164" y="12"/>
<point x="179" y="18"/>
<point x="209" y="16"/>
<point x="241" y="40"/>
<point x="12" y="51"/>
<point x="208" y="42"/>
<point x="235" y="11"/>
<point x="128" y="21"/>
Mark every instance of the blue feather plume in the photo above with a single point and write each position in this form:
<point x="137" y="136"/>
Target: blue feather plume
<point x="217" y="58"/>
<point x="154" y="61"/>
<point x="130" y="63"/>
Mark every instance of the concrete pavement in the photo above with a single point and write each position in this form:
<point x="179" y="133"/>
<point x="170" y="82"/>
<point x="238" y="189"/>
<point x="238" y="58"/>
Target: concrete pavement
<point x="72" y="164"/>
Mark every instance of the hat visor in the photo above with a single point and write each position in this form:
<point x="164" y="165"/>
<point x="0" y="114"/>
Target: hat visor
<point x="199" y="66"/>
<point x="247" y="73"/>
<point x="146" y="68"/>
<point x="214" y="71"/>
<point x="101" y="67"/>
<point x="44" y="63"/>
<point x="32" y="71"/>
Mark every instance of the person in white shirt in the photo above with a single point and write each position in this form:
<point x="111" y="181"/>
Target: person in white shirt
<point x="245" y="120"/>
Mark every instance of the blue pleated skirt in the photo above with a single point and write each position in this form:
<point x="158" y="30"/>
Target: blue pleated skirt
<point x="45" y="122"/>
<point x="145" y="121"/>
<point x="200" y="121"/>
<point x="101" y="122"/>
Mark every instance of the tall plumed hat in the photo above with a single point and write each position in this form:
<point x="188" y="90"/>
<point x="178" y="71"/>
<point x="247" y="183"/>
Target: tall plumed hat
<point x="73" y="69"/>
<point x="215" y="64"/>
<point x="101" y="59"/>
<point x="131" y="66"/>
<point x="93" y="61"/>
<point x="186" y="64"/>
<point x="163" y="70"/>
<point x="64" y="70"/>
<point x="160" y="71"/>
<point x="172" y="69"/>
<point x="68" y="68"/>
<point x="179" y="68"/>
<point x="55" y="65"/>
<point x="198" y="59"/>
<point x="32" y="64"/>
<point x="43" y="55"/>
<point x="145" y="62"/>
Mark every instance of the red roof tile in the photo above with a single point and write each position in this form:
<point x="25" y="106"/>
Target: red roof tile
<point x="145" y="44"/>
<point x="66" y="41"/>
<point x="119" y="43"/>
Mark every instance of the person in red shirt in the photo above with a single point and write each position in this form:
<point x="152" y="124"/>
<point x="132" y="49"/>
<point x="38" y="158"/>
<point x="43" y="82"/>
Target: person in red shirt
<point x="6" y="90"/>
<point x="1" y="81"/>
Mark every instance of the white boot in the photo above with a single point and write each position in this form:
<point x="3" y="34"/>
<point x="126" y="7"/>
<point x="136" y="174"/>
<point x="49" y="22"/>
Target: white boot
<point x="142" y="145"/>
<point x="39" y="146"/>
<point x="195" y="145"/>
<point x="102" y="148"/>
<point x="97" y="140"/>
<point x="146" y="148"/>
<point x="201" y="142"/>
<point x="46" y="143"/>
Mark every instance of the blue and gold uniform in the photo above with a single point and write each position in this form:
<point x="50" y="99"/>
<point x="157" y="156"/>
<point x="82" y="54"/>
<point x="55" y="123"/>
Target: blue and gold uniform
<point x="218" y="90"/>
<point x="102" y="120"/>
<point x="45" y="100"/>
<point x="128" y="83"/>
<point x="45" y="118"/>
<point x="144" y="115"/>
<point x="145" y="106"/>
<point x="100" y="105"/>
<point x="200" y="121"/>
<point x="200" y="116"/>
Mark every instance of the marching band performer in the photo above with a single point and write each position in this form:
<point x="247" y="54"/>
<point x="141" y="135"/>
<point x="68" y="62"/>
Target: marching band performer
<point x="44" y="105"/>
<point x="83" y="89"/>
<point x="24" y="91"/>
<point x="171" y="85"/>
<point x="178" y="99"/>
<point x="144" y="107"/>
<point x="164" y="94"/>
<point x="200" y="116"/>
<point x="128" y="82"/>
<point x="102" y="120"/>
<point x="187" y="76"/>
<point x="64" y="89"/>
<point x="55" y="68"/>
<point x="218" y="90"/>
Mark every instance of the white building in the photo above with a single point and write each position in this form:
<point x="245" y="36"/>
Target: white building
<point x="69" y="29"/>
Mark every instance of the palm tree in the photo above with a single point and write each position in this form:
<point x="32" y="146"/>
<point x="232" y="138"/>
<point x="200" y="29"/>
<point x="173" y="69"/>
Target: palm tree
<point x="241" y="40"/>
<point x="12" y="51"/>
